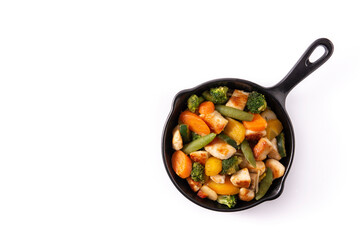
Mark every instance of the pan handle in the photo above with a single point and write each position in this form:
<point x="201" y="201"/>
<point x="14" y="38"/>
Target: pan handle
<point x="303" y="68"/>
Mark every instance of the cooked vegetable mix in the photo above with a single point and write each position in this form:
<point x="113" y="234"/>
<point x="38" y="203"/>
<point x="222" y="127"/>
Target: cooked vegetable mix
<point x="228" y="146"/>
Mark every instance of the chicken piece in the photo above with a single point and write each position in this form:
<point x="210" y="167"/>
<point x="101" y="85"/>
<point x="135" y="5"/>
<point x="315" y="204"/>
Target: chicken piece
<point x="254" y="135"/>
<point x="195" y="186"/>
<point x="268" y="115"/>
<point x="215" y="121"/>
<point x="205" y="191"/>
<point x="202" y="194"/>
<point x="199" y="156"/>
<point x="276" y="167"/>
<point x="260" y="168"/>
<point x="246" y="194"/>
<point x="262" y="149"/>
<point x="238" y="99"/>
<point x="220" y="149"/>
<point x="274" y="152"/>
<point x="177" y="142"/>
<point x="254" y="185"/>
<point x="241" y="178"/>
<point x="218" y="178"/>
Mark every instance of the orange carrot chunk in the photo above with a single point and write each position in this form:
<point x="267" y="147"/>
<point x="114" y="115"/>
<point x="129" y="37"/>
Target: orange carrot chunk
<point x="195" y="123"/>
<point x="206" y="107"/>
<point x="257" y="124"/>
<point x="181" y="164"/>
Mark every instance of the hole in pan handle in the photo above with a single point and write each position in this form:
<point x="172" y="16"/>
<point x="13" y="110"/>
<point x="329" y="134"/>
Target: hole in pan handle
<point x="303" y="68"/>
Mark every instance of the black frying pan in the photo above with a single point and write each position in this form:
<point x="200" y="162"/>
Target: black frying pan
<point x="275" y="97"/>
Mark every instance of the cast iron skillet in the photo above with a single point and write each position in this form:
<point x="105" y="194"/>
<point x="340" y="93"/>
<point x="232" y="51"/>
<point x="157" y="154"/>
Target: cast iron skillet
<point x="275" y="97"/>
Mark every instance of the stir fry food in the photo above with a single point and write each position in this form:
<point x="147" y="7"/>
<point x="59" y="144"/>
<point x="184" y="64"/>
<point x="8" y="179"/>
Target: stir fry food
<point x="228" y="145"/>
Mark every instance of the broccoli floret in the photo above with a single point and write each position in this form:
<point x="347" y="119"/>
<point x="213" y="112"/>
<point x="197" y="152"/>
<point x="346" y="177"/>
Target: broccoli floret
<point x="228" y="200"/>
<point x="198" y="172"/>
<point x="217" y="95"/>
<point x="230" y="165"/>
<point x="256" y="102"/>
<point x="193" y="102"/>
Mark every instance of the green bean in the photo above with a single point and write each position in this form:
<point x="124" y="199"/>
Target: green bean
<point x="195" y="136"/>
<point x="201" y="99"/>
<point x="208" y="96"/>
<point x="198" y="143"/>
<point x="248" y="153"/>
<point x="264" y="184"/>
<point x="281" y="144"/>
<point x="234" y="113"/>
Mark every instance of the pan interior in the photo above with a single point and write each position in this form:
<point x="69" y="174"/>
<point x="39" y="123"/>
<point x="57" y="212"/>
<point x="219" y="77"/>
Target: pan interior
<point x="179" y="105"/>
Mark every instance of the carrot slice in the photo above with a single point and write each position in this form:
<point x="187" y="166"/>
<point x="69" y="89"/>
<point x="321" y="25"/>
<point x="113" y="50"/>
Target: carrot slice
<point x="195" y="123"/>
<point x="181" y="164"/>
<point x="206" y="107"/>
<point x="257" y="124"/>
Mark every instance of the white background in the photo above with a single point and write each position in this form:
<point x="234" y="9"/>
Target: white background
<point x="85" y="89"/>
